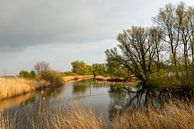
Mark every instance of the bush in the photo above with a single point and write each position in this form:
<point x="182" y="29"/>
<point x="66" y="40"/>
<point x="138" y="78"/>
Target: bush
<point x="166" y="79"/>
<point x="54" y="77"/>
<point x="27" y="75"/>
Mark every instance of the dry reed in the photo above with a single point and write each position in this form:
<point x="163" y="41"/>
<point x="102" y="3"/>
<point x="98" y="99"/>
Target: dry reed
<point x="173" y="116"/>
<point x="7" y="123"/>
<point x="10" y="87"/>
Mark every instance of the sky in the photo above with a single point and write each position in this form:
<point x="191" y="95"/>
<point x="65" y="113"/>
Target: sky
<point x="62" y="31"/>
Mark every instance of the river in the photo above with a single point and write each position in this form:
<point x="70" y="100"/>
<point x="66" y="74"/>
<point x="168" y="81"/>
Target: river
<point x="101" y="98"/>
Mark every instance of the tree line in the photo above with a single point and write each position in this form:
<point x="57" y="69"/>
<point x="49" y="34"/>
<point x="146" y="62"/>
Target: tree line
<point x="104" y="69"/>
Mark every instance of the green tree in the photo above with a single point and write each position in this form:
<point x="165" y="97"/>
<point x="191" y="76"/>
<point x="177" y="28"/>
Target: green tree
<point x="137" y="52"/>
<point x="116" y="69"/>
<point x="27" y="75"/>
<point x="81" y="68"/>
<point x="99" y="69"/>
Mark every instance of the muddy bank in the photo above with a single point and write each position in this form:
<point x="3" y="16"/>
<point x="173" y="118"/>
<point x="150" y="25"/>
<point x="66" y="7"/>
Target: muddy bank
<point x="116" y="79"/>
<point x="68" y="79"/>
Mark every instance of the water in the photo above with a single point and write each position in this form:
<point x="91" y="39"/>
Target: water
<point x="102" y="98"/>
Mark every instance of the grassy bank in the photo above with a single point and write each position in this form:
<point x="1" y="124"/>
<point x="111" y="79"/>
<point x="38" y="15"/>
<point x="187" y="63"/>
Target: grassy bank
<point x="11" y="87"/>
<point x="173" y="116"/>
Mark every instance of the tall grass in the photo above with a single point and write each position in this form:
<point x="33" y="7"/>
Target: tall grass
<point x="10" y="87"/>
<point x="76" y="118"/>
<point x="7" y="123"/>
<point x="173" y="116"/>
<point x="82" y="118"/>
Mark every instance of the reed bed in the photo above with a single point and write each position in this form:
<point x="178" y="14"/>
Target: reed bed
<point x="7" y="123"/>
<point x="82" y="118"/>
<point x="75" y="118"/>
<point x="173" y="116"/>
<point x="10" y="87"/>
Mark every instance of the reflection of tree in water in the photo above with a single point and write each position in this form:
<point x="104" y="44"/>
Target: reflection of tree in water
<point x="131" y="99"/>
<point x="44" y="98"/>
<point x="53" y="92"/>
<point x="118" y="98"/>
<point x="80" y="88"/>
<point x="28" y="101"/>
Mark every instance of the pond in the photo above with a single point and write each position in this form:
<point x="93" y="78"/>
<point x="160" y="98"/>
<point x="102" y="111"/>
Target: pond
<point x="102" y="98"/>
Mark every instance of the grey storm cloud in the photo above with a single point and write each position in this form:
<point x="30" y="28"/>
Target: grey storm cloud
<point x="60" y="31"/>
<point x="29" y="22"/>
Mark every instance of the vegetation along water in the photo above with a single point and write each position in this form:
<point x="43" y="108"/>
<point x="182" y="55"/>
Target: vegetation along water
<point x="146" y="82"/>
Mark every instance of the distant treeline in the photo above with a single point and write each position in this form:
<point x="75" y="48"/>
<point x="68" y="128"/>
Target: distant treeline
<point x="105" y="69"/>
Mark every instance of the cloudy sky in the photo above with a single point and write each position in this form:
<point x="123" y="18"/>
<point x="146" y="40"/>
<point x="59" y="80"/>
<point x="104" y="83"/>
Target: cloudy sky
<point x="60" y="31"/>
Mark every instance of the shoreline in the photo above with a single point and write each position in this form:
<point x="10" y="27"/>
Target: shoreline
<point x="14" y="87"/>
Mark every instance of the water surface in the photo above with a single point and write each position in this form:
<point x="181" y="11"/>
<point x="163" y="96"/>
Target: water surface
<point x="102" y="98"/>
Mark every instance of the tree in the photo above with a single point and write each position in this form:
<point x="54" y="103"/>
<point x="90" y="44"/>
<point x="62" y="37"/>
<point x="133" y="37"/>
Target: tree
<point x="99" y="69"/>
<point x="32" y="74"/>
<point x="167" y="23"/>
<point x="27" y="75"/>
<point x="155" y="37"/>
<point x="80" y="67"/>
<point x="137" y="51"/>
<point x="116" y="69"/>
<point x="41" y="67"/>
<point x="177" y="24"/>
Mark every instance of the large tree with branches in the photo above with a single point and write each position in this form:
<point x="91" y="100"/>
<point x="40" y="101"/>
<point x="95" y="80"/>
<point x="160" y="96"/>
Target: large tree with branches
<point x="139" y="50"/>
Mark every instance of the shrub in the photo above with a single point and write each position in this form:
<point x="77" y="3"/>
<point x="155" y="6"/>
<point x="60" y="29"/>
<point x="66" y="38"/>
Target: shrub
<point x="54" y="77"/>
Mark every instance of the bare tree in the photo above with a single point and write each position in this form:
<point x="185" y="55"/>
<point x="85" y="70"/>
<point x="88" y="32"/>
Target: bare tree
<point x="177" y="23"/>
<point x="41" y="67"/>
<point x="166" y="20"/>
<point x="190" y="28"/>
<point x="155" y="36"/>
